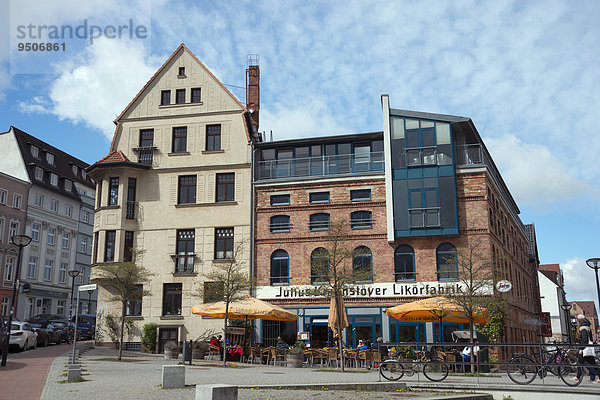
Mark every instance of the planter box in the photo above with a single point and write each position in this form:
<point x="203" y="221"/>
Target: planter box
<point x="294" y="360"/>
<point x="171" y="354"/>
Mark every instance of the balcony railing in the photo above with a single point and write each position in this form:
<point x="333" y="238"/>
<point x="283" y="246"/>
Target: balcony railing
<point x="320" y="166"/>
<point x="469" y="154"/>
<point x="424" y="217"/>
<point x="145" y="154"/>
<point x="184" y="263"/>
<point x="130" y="211"/>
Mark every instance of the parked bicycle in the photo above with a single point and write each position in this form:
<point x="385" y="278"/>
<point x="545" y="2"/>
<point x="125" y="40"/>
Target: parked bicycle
<point x="427" y="362"/>
<point x="523" y="369"/>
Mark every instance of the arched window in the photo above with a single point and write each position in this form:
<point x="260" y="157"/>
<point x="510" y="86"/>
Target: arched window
<point x="319" y="222"/>
<point x="280" y="267"/>
<point x="319" y="265"/>
<point x="362" y="263"/>
<point x="404" y="263"/>
<point x="447" y="262"/>
<point x="361" y="220"/>
<point x="280" y="223"/>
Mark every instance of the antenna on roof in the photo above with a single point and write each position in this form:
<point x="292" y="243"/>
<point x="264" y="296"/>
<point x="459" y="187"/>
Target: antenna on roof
<point x="271" y="136"/>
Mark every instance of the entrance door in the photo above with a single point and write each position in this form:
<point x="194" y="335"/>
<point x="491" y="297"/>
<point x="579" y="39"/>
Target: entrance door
<point x="407" y="332"/>
<point x="367" y="328"/>
<point x="164" y="335"/>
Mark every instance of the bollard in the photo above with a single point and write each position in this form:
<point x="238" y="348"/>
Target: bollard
<point x="173" y="377"/>
<point x="73" y="374"/>
<point x="216" y="392"/>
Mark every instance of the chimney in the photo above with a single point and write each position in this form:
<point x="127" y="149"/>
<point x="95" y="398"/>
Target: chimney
<point x="253" y="88"/>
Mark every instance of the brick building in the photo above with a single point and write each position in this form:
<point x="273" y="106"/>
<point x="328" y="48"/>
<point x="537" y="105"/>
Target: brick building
<point x="416" y="194"/>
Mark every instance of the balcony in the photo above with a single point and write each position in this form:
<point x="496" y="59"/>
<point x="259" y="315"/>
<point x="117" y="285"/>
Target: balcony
<point x="470" y="154"/>
<point x="184" y="263"/>
<point x="145" y="154"/>
<point x="130" y="211"/>
<point x="424" y="217"/>
<point x="320" y="166"/>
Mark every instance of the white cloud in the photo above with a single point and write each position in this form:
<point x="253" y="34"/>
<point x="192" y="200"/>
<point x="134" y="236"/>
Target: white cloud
<point x="534" y="174"/>
<point x="96" y="87"/>
<point x="579" y="280"/>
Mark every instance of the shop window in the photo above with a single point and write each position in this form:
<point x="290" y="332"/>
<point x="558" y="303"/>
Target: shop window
<point x="447" y="262"/>
<point x="404" y="263"/>
<point x="362" y="264"/>
<point x="280" y="274"/>
<point x="319" y="266"/>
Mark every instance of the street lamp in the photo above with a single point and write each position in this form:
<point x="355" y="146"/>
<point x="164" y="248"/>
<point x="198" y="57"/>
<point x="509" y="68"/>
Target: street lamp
<point x="20" y="241"/>
<point x="594" y="263"/>
<point x="566" y="308"/>
<point x="89" y="300"/>
<point x="73" y="274"/>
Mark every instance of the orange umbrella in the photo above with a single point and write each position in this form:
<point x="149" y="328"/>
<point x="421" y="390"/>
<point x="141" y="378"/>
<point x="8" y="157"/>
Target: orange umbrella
<point x="247" y="308"/>
<point x="434" y="309"/>
<point x="332" y="320"/>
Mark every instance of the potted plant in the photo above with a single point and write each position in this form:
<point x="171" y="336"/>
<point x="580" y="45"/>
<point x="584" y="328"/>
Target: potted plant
<point x="149" y="338"/>
<point x="199" y="349"/>
<point x="295" y="356"/>
<point x="172" y="350"/>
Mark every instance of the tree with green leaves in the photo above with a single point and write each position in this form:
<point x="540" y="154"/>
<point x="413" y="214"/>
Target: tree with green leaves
<point x="124" y="282"/>
<point x="334" y="267"/>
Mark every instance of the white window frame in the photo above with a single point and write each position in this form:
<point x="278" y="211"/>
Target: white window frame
<point x="13" y="229"/>
<point x="65" y="240"/>
<point x="5" y="305"/>
<point x="62" y="273"/>
<point x="85" y="217"/>
<point x="9" y="267"/>
<point x="17" y="200"/>
<point x="68" y="210"/>
<point x="3" y="196"/>
<point x="35" y="151"/>
<point x="68" y="185"/>
<point x="81" y="276"/>
<point x="53" y="179"/>
<point x="50" y="158"/>
<point x="2" y="223"/>
<point x="39" y="174"/>
<point x="54" y="206"/>
<point x="75" y="169"/>
<point x="48" y="267"/>
<point x="31" y="267"/>
<point x="83" y="245"/>
<point x="51" y="236"/>
<point x="35" y="231"/>
<point x="39" y="200"/>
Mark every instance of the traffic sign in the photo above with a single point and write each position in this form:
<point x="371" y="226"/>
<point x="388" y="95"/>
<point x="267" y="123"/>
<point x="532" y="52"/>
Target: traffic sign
<point x="91" y="286"/>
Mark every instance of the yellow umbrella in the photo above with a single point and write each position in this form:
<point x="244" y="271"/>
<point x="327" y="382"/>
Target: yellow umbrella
<point x="247" y="308"/>
<point x="332" y="320"/>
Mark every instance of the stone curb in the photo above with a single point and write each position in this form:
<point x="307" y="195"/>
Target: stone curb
<point x="513" y="388"/>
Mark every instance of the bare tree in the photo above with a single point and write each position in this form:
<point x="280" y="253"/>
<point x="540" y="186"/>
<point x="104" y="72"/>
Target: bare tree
<point x="124" y="281"/>
<point x="228" y="282"/>
<point x="335" y="266"/>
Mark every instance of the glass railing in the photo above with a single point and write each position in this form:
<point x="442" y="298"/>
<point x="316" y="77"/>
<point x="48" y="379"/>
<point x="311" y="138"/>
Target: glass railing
<point x="469" y="154"/>
<point x="320" y="166"/>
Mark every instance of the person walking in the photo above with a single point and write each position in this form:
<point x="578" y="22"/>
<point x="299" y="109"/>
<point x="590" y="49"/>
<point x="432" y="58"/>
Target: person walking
<point x="585" y="339"/>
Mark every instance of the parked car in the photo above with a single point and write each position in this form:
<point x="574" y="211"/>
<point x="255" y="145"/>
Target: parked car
<point x="44" y="319"/>
<point x="65" y="329"/>
<point x="46" y="335"/>
<point x="22" y="335"/>
<point x="86" y="324"/>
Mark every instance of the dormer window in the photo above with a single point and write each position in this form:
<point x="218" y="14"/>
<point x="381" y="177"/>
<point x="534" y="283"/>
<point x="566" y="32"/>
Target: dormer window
<point x="181" y="71"/>
<point x="50" y="158"/>
<point x="35" y="151"/>
<point x="68" y="185"/>
<point x="53" y="179"/>
<point x="83" y="174"/>
<point x="39" y="173"/>
<point x="75" y="170"/>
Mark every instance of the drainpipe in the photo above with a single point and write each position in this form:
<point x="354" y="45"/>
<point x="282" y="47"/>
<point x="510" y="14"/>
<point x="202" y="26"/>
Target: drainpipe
<point x="252" y="217"/>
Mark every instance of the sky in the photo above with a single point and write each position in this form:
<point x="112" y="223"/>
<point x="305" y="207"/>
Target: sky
<point x="526" y="72"/>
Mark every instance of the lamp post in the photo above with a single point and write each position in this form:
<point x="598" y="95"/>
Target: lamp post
<point x="594" y="263"/>
<point x="89" y="300"/>
<point x="566" y="308"/>
<point x="20" y="241"/>
<point x="73" y="274"/>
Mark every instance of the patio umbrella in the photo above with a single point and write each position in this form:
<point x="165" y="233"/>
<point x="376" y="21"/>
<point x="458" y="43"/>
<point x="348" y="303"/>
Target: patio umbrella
<point x="332" y="320"/>
<point x="247" y="308"/>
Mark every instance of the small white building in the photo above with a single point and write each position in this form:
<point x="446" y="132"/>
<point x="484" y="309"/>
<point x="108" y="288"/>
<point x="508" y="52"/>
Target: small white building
<point x="552" y="294"/>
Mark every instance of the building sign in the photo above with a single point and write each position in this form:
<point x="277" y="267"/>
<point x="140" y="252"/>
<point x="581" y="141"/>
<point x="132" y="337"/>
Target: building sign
<point x="546" y="327"/>
<point x="503" y="286"/>
<point x="374" y="290"/>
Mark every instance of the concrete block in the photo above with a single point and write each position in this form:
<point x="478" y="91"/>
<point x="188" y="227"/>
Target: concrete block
<point x="216" y="392"/>
<point x="73" y="374"/>
<point x="173" y="377"/>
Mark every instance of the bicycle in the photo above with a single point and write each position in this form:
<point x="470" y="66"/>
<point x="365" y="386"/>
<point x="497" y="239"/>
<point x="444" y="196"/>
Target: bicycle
<point x="428" y="363"/>
<point x="523" y="369"/>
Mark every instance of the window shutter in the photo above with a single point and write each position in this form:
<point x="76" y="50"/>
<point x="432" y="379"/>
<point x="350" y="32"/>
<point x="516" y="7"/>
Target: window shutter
<point x="211" y="188"/>
<point x="173" y="198"/>
<point x="239" y="189"/>
<point x="200" y="190"/>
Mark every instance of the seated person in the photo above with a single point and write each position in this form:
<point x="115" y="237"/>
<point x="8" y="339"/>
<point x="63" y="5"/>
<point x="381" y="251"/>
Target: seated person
<point x="378" y="345"/>
<point x="362" y="345"/>
<point x="215" y="342"/>
<point x="281" y="344"/>
<point x="466" y="353"/>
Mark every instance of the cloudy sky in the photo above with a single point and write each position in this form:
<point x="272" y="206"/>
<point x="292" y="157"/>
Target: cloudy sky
<point x="524" y="71"/>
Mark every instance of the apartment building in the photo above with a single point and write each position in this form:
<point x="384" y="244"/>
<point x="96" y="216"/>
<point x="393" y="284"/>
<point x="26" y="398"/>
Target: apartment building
<point x="53" y="210"/>
<point x="176" y="187"/>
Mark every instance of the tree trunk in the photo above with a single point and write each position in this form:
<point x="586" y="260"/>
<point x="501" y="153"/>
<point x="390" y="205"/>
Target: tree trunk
<point x="225" y="335"/>
<point x="123" y="309"/>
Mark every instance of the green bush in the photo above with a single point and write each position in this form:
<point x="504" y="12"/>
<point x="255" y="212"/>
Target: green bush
<point x="149" y="337"/>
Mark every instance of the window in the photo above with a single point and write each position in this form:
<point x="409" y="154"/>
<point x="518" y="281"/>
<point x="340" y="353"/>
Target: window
<point x="68" y="185"/>
<point x="9" y="267"/>
<point x="62" y="273"/>
<point x="83" y="245"/>
<point x="3" y="196"/>
<point x="185" y="251"/>
<point x="128" y="246"/>
<point x="131" y="188"/>
<point x="180" y="139"/>
<point x="60" y="306"/>
<point x="13" y="229"/>
<point x="165" y="97"/>
<point x="50" y="158"/>
<point x="181" y="71"/>
<point x="404" y="263"/>
<point x="146" y="137"/>
<point x="319" y="222"/>
<point x="39" y="173"/>
<point x="51" y="235"/>
<point x="54" y="205"/>
<point x="2" y="229"/>
<point x="85" y="217"/>
<point x="53" y="179"/>
<point x="319" y="197"/>
<point x="319" y="265"/>
<point x="172" y="299"/>
<point x="35" y="151"/>
<point x="99" y="195"/>
<point x="48" y="270"/>
<point x="109" y="247"/>
<point x="195" y="95"/>
<point x="133" y="308"/>
<point x="225" y="185"/>
<point x="223" y="243"/>
<point x="65" y="240"/>
<point x="17" y="198"/>
<point x="447" y="262"/>
<point x="74" y="169"/>
<point x="280" y="223"/>
<point x="39" y="200"/>
<point x="213" y="292"/>
<point x="362" y="157"/>
<point x="361" y="220"/>
<point x="180" y="96"/>
<point x="68" y="210"/>
<point x="113" y="191"/>
<point x="280" y="267"/>
<point x="35" y="232"/>
<point x="362" y="264"/>
<point x="84" y="174"/>
<point x="32" y="267"/>
<point x="280" y="200"/>
<point x="187" y="189"/>
<point x="360" y="195"/>
<point x="213" y="137"/>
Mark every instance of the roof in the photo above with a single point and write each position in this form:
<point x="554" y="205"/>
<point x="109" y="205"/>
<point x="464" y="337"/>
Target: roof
<point x="588" y="307"/>
<point x="424" y="115"/>
<point x="550" y="267"/>
<point x="62" y="167"/>
<point x="115" y="158"/>
<point x="553" y="276"/>
<point x="322" y="139"/>
<point x="157" y="73"/>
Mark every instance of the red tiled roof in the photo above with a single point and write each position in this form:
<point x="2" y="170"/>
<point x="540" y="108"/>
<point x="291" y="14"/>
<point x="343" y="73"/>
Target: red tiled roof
<point x="588" y="307"/>
<point x="550" y="267"/>
<point x="113" y="156"/>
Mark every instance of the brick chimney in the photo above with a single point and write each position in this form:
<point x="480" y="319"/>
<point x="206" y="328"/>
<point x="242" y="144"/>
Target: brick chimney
<point x="253" y="88"/>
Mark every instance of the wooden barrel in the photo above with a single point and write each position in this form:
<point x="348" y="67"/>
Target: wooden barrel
<point x="295" y="360"/>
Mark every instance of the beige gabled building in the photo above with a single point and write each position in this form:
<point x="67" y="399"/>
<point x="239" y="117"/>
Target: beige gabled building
<point x="176" y="185"/>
